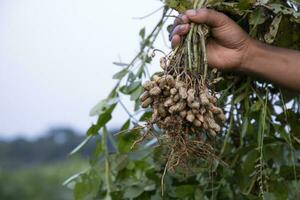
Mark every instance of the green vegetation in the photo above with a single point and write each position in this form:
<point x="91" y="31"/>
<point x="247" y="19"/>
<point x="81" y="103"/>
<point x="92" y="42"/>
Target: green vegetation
<point x="36" y="170"/>
<point x="39" y="182"/>
<point x="259" y="142"/>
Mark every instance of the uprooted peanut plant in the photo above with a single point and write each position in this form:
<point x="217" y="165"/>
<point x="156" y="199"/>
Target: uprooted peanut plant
<point x="239" y="136"/>
<point x="184" y="107"/>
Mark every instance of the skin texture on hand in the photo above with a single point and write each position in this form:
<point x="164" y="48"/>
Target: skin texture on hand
<point x="229" y="42"/>
<point x="231" y="48"/>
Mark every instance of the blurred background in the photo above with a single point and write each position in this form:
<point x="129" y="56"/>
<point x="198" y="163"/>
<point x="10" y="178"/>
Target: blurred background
<point x="55" y="65"/>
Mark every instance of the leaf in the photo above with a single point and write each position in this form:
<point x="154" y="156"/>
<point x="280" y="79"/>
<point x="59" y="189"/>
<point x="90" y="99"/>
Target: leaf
<point x="120" y="64"/>
<point x="133" y="192"/>
<point x="245" y="4"/>
<point x="103" y="105"/>
<point x="288" y="172"/>
<point x="146" y="116"/>
<point x="87" y="186"/>
<point x="119" y="75"/>
<point x="269" y="196"/>
<point x="130" y="88"/>
<point x="240" y="97"/>
<point x="184" y="191"/>
<point x="271" y="34"/>
<point x="72" y="178"/>
<point x="84" y="142"/>
<point x="256" y="106"/>
<point x="112" y="140"/>
<point x="257" y="17"/>
<point x="279" y="8"/>
<point x="142" y="32"/>
<point x="136" y="93"/>
<point x="120" y="162"/>
<point x="126" y="125"/>
<point x="107" y="197"/>
<point x="93" y="130"/>
<point x="102" y="120"/>
<point x="179" y="5"/>
<point x="244" y="127"/>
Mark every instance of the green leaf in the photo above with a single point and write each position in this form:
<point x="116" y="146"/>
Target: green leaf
<point x="136" y="93"/>
<point x="102" y="120"/>
<point x="125" y="141"/>
<point x="84" y="142"/>
<point x="288" y="172"/>
<point x="107" y="197"/>
<point x="256" y="106"/>
<point x="98" y="150"/>
<point x="119" y="75"/>
<point x="72" y="178"/>
<point x="245" y="4"/>
<point x="88" y="185"/>
<point x="142" y="32"/>
<point x="279" y="8"/>
<point x="257" y="17"/>
<point x="184" y="191"/>
<point x="179" y="5"/>
<point x="271" y="34"/>
<point x="146" y="116"/>
<point x="130" y="88"/>
<point x="126" y="125"/>
<point x="269" y="196"/>
<point x="240" y="97"/>
<point x="103" y="105"/>
<point x="120" y="64"/>
<point x="112" y="139"/>
<point x="244" y="127"/>
<point x="133" y="192"/>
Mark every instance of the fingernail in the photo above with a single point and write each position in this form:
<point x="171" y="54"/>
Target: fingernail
<point x="191" y="13"/>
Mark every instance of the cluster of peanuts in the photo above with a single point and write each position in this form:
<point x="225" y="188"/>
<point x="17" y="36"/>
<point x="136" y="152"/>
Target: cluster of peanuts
<point x="177" y="106"/>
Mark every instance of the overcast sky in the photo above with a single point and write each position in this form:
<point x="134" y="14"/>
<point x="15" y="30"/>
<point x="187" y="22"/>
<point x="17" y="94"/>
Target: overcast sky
<point x="56" y="59"/>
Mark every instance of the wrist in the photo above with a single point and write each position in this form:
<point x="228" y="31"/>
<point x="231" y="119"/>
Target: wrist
<point x="249" y="55"/>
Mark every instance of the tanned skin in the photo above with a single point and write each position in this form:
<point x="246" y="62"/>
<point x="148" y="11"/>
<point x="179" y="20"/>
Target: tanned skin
<point x="231" y="48"/>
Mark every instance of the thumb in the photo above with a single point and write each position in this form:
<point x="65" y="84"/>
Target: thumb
<point x="207" y="16"/>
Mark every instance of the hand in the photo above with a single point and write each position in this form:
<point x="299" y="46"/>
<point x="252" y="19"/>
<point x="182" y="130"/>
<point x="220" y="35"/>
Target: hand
<point x="228" y="47"/>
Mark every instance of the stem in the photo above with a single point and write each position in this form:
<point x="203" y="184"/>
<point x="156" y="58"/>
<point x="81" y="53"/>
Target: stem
<point x="196" y="52"/>
<point x="292" y="149"/>
<point x="261" y="144"/>
<point x="189" y="41"/>
<point x="228" y="132"/>
<point x="203" y="47"/>
<point x="107" y="162"/>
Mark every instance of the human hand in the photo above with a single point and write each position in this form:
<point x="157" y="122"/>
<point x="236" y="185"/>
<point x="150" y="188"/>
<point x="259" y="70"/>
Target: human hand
<point x="228" y="47"/>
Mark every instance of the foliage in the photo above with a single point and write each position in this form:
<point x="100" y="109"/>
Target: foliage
<point x="35" y="169"/>
<point x="39" y="181"/>
<point x="53" y="147"/>
<point x="260" y="141"/>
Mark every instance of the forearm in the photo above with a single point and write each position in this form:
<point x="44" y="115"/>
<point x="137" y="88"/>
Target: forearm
<point x="279" y="65"/>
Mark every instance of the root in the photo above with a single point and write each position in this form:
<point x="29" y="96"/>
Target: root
<point x="184" y="107"/>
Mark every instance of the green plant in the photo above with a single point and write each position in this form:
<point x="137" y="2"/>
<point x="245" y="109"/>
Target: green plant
<point x="259" y="142"/>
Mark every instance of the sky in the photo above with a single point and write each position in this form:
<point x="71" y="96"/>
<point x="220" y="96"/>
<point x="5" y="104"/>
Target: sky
<point x="56" y="59"/>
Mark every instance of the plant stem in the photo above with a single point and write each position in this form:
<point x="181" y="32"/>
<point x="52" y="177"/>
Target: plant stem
<point x="189" y="42"/>
<point x="107" y="162"/>
<point x="204" y="56"/>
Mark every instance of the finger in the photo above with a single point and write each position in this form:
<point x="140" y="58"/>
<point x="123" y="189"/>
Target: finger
<point x="181" y="19"/>
<point x="175" y="41"/>
<point x="180" y="30"/>
<point x="207" y="16"/>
